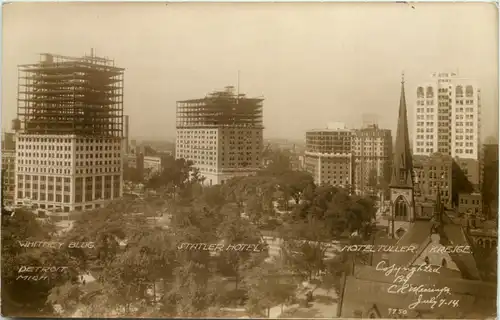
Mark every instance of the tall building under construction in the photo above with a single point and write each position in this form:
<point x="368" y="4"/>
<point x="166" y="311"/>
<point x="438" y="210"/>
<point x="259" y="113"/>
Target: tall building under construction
<point x="69" y="132"/>
<point x="222" y="134"/>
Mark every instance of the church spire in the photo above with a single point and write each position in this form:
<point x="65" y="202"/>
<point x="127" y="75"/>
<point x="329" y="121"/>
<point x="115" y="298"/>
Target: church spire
<point x="402" y="169"/>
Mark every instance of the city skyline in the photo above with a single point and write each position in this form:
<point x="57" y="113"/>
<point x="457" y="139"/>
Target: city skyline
<point x="307" y="88"/>
<point x="236" y="217"/>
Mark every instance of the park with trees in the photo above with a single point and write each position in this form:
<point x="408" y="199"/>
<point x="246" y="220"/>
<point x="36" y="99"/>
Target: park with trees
<point x="137" y="269"/>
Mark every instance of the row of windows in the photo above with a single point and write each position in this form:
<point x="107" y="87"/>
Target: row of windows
<point x="43" y="170"/>
<point x="67" y="155"/>
<point x="428" y="117"/>
<point x="472" y="201"/>
<point x="21" y="177"/>
<point x="461" y="144"/>
<point x="66" y="198"/>
<point x="67" y="163"/>
<point x="467" y="130"/>
<point x="467" y="137"/>
<point x="420" y="110"/>
<point x="428" y="143"/>
<point x="43" y="186"/>
<point x="62" y="140"/>
<point x="466" y="151"/>
<point x="97" y="163"/>
<point x="461" y="116"/>
<point x="428" y="123"/>
<point x="427" y="150"/>
<point x="427" y="103"/>
<point x="459" y="91"/>
<point x="44" y="197"/>
<point x="197" y="132"/>
<point x="468" y="123"/>
<point x="51" y="170"/>
<point x="467" y="102"/>
<point x="421" y="136"/>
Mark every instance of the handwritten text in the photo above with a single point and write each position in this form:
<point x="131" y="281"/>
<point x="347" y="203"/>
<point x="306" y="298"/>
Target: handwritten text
<point x="220" y="247"/>
<point x="378" y="248"/>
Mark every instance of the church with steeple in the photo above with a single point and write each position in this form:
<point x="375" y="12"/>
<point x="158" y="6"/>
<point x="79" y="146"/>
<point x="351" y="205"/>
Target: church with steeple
<point x="368" y="290"/>
<point x="401" y="186"/>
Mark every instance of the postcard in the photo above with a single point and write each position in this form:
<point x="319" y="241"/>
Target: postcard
<point x="249" y="160"/>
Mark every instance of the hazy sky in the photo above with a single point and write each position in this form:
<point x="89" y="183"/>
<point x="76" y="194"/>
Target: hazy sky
<point x="313" y="63"/>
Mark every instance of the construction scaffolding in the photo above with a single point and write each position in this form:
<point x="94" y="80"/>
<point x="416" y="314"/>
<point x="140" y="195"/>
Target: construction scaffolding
<point x="71" y="95"/>
<point x="220" y="109"/>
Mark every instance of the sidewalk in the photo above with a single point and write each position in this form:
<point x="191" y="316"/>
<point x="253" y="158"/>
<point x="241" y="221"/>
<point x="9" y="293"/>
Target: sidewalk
<point x="324" y="305"/>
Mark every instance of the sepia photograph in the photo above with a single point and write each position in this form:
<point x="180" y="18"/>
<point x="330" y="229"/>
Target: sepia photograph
<point x="309" y="160"/>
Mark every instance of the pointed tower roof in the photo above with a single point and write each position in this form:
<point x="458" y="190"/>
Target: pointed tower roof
<point x="402" y="169"/>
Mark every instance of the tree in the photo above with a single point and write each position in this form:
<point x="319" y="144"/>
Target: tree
<point x="236" y="230"/>
<point x="67" y="296"/>
<point x="132" y="174"/>
<point x="305" y="245"/>
<point x="279" y="162"/>
<point x="268" y="285"/>
<point x="176" y="175"/>
<point x="293" y="184"/>
<point x="338" y="210"/>
<point x="27" y="297"/>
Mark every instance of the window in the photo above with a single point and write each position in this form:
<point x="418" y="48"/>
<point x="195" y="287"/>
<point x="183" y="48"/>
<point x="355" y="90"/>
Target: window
<point x="469" y="91"/>
<point x="400" y="208"/>
<point x="420" y="92"/>
<point x="430" y="92"/>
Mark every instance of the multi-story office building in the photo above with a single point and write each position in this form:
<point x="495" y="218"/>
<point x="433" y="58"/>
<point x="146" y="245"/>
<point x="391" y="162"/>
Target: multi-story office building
<point x="489" y="178"/>
<point x="470" y="169"/>
<point x="470" y="203"/>
<point x="329" y="156"/>
<point x="447" y="117"/>
<point x="433" y="173"/>
<point x="126" y="145"/>
<point x="8" y="165"/>
<point x="69" y="132"/>
<point x="372" y="149"/>
<point x="222" y="134"/>
<point x="8" y="141"/>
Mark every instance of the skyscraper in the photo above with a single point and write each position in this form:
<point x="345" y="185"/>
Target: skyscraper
<point x="222" y="134"/>
<point x="70" y="132"/>
<point x="329" y="156"/>
<point x="447" y="117"/>
<point x="372" y="149"/>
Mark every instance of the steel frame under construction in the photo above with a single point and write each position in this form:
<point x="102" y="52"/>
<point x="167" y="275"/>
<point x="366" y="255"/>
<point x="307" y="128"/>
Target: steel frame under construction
<point x="220" y="109"/>
<point x="71" y="95"/>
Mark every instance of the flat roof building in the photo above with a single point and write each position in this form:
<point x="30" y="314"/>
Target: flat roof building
<point x="447" y="116"/>
<point x="69" y="132"/>
<point x="329" y="156"/>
